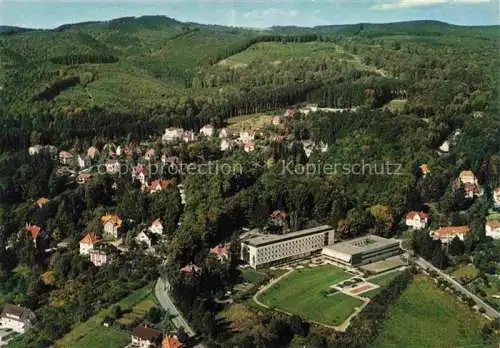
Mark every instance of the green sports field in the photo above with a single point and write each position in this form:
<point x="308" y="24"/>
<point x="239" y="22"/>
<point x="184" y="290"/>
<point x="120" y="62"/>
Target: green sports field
<point x="300" y="293"/>
<point x="426" y="316"/>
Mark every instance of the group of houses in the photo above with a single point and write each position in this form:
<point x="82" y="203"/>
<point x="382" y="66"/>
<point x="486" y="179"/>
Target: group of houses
<point x="418" y="220"/>
<point x="94" y="246"/>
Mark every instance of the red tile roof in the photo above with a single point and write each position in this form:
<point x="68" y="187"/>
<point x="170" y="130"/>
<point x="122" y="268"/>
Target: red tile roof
<point x="90" y="238"/>
<point x="115" y="219"/>
<point x="424" y="168"/>
<point x="452" y="230"/>
<point x="189" y="269"/>
<point x="279" y="214"/>
<point x="493" y="224"/>
<point x="411" y="215"/>
<point x="34" y="230"/>
<point x="156" y="222"/>
<point x="162" y="183"/>
<point x="220" y="250"/>
<point x="171" y="342"/>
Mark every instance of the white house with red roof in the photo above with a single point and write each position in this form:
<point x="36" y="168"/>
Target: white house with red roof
<point x="446" y="234"/>
<point x="247" y="136"/>
<point x="278" y="217"/>
<point x="139" y="173"/>
<point x="88" y="242"/>
<point x="424" y="169"/>
<point x="156" y="227"/>
<point x="111" y="224"/>
<point x="65" y="157"/>
<point x="493" y="229"/>
<point x="226" y="144"/>
<point x="207" y="130"/>
<point x="221" y="251"/>
<point x="158" y="185"/>
<point x="417" y="220"/>
<point x="289" y="112"/>
<point x="223" y="133"/>
<point x="467" y="176"/>
<point x="92" y="152"/>
<point x="150" y="154"/>
<point x="249" y="146"/>
<point x="172" y="134"/>
<point x="190" y="269"/>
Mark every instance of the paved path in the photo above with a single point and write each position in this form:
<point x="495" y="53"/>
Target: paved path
<point x="490" y="311"/>
<point x="162" y="294"/>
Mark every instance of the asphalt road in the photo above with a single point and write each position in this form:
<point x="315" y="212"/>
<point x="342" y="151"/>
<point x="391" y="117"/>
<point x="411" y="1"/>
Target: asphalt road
<point x="163" y="296"/>
<point x="490" y="311"/>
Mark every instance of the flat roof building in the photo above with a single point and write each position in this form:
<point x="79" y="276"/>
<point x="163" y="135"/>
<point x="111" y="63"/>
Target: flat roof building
<point x="260" y="250"/>
<point x="362" y="250"/>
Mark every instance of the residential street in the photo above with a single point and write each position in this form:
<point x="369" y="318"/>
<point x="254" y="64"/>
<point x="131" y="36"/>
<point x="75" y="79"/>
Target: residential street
<point x="427" y="265"/>
<point x="161" y="292"/>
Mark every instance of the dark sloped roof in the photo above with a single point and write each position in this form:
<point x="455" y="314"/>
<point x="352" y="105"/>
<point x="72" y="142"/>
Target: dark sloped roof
<point x="147" y="333"/>
<point x="16" y="311"/>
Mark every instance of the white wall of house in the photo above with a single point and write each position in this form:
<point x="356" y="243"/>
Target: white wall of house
<point x="15" y="324"/>
<point x="85" y="248"/>
<point x="110" y="230"/>
<point x="492" y="232"/>
<point x="416" y="223"/>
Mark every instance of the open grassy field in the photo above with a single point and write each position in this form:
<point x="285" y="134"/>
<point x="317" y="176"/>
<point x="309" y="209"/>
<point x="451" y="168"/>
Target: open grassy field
<point x="425" y="316"/>
<point x="138" y="311"/>
<point x="382" y="281"/>
<point x="253" y="121"/>
<point x="492" y="290"/>
<point x="466" y="271"/>
<point x="300" y="293"/>
<point x="93" y="334"/>
<point x="396" y="105"/>
<point x="276" y="52"/>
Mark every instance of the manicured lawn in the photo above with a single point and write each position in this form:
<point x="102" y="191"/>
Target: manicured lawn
<point x="300" y="293"/>
<point x="92" y="333"/>
<point x="425" y="316"/>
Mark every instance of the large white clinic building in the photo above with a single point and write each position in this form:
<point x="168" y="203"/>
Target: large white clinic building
<point x="362" y="250"/>
<point x="263" y="250"/>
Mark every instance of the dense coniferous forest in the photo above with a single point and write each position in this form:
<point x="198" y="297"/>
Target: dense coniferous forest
<point x="402" y="90"/>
